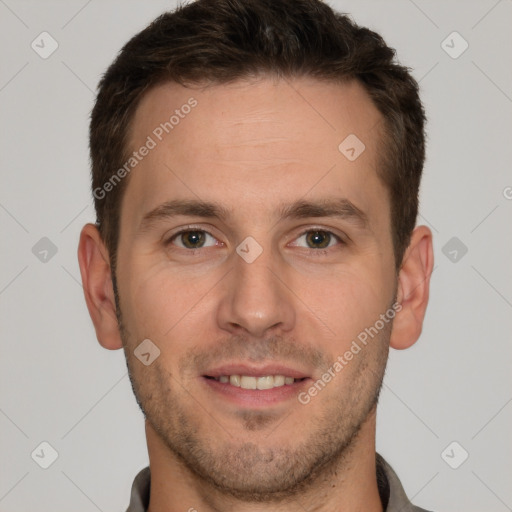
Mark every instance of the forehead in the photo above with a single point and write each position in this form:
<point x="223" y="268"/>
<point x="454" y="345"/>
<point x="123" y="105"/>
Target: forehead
<point x="266" y="140"/>
<point x="265" y="106"/>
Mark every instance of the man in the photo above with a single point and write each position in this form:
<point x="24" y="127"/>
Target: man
<point x="255" y="168"/>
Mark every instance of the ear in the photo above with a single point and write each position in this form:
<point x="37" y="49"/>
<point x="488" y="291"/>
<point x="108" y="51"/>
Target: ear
<point x="413" y="289"/>
<point x="98" y="289"/>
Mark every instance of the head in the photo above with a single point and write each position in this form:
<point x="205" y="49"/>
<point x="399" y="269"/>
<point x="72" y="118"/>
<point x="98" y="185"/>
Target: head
<point x="287" y="144"/>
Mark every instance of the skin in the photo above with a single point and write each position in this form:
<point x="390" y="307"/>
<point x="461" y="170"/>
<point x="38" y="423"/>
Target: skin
<point x="253" y="147"/>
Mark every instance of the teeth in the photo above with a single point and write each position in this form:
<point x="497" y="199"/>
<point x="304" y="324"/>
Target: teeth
<point x="250" y="382"/>
<point x="247" y="382"/>
<point x="234" y="380"/>
<point x="278" y="380"/>
<point x="265" y="382"/>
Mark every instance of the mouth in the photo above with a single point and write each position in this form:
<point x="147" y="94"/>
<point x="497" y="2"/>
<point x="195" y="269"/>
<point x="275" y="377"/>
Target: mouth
<point x="255" y="387"/>
<point x="255" y="382"/>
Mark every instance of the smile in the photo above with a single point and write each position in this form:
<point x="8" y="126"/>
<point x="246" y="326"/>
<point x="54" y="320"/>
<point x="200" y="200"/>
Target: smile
<point x="256" y="382"/>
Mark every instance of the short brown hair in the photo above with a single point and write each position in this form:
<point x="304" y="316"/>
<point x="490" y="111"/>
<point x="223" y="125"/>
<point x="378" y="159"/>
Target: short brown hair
<point x="219" y="41"/>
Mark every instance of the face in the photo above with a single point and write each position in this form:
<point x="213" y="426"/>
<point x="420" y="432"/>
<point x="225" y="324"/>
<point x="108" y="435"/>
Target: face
<point x="254" y="253"/>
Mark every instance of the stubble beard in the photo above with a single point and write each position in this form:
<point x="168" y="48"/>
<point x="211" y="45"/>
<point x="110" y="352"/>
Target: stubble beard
<point x="245" y="470"/>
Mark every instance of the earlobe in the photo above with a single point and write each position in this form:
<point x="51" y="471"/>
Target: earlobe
<point x="97" y="284"/>
<point x="413" y="289"/>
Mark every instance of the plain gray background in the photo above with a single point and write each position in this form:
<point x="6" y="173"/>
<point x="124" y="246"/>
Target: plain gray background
<point x="58" y="385"/>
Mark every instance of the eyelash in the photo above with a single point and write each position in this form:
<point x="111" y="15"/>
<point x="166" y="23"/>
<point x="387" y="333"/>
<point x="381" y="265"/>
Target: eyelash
<point x="317" y="252"/>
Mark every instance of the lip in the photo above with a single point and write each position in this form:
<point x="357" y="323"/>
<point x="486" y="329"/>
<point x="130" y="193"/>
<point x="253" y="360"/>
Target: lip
<point x="258" y="399"/>
<point x="255" y="398"/>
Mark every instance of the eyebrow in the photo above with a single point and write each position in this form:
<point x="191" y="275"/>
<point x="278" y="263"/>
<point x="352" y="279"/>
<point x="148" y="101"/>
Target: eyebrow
<point x="340" y="208"/>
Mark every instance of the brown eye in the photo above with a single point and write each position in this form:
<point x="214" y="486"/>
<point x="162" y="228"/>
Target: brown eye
<point x="192" y="239"/>
<point x="318" y="239"/>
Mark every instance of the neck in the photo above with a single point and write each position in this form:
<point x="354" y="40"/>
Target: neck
<point x="348" y="483"/>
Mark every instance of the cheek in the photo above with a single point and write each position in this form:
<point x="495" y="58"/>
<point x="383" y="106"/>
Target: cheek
<point x="164" y="304"/>
<point x="350" y="301"/>
<point x="149" y="302"/>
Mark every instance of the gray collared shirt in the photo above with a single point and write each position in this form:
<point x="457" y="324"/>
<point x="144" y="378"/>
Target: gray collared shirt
<point x="391" y="492"/>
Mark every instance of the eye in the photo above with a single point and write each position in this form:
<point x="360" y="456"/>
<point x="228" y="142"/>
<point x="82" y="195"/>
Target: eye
<point x="192" y="239"/>
<point x="317" y="239"/>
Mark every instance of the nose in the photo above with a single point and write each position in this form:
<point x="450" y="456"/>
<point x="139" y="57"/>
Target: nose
<point x="255" y="300"/>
